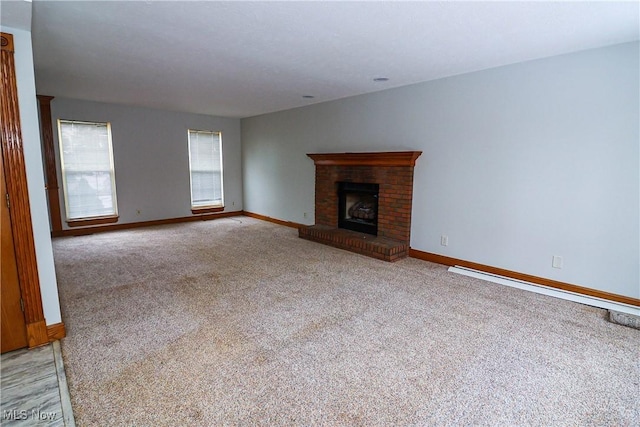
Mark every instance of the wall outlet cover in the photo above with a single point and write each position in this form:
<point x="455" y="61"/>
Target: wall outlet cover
<point x="556" y="261"/>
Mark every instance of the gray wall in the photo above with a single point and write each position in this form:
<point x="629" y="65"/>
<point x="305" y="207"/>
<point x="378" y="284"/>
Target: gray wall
<point x="520" y="163"/>
<point x="151" y="157"/>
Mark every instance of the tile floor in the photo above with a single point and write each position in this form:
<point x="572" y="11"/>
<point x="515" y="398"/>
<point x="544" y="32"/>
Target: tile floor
<point x="34" y="389"/>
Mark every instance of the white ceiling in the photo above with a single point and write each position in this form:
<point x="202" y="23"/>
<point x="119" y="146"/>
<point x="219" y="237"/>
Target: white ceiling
<point x="239" y="59"/>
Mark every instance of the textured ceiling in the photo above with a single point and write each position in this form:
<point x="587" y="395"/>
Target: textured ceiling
<point x="239" y="59"/>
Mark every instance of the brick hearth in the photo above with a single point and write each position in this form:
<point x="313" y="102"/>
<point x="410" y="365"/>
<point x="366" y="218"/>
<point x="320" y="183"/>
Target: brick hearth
<point x="393" y="171"/>
<point x="366" y="244"/>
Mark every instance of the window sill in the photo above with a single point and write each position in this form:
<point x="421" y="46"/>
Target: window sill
<point x="207" y="209"/>
<point x="92" y="221"/>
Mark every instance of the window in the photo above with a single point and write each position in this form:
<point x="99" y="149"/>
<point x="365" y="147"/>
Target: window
<point x="87" y="170"/>
<point x="205" y="166"/>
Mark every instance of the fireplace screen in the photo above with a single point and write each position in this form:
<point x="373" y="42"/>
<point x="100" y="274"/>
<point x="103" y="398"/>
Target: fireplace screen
<point x="358" y="207"/>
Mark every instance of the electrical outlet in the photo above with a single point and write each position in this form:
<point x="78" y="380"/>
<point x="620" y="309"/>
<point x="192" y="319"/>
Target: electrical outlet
<point x="138" y="211"/>
<point x="304" y="215"/>
<point x="444" y="240"/>
<point x="556" y="261"/>
<point x="233" y="203"/>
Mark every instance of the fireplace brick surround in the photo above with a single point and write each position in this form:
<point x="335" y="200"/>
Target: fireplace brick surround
<point x="393" y="172"/>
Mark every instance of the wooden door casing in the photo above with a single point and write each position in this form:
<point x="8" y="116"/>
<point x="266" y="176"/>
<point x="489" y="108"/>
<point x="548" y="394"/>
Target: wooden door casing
<point x="16" y="183"/>
<point x="13" y="328"/>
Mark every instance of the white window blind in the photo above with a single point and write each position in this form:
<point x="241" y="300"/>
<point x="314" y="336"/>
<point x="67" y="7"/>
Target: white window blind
<point x="205" y="164"/>
<point x="87" y="169"/>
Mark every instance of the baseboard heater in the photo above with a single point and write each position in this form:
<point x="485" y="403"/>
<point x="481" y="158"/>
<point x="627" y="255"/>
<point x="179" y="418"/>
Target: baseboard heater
<point x="545" y="290"/>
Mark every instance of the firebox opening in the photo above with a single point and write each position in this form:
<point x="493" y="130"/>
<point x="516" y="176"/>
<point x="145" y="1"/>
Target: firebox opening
<point x="358" y="207"/>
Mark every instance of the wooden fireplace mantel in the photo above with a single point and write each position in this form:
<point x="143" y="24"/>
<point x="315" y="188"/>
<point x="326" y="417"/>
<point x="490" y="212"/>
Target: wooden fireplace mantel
<point x="389" y="158"/>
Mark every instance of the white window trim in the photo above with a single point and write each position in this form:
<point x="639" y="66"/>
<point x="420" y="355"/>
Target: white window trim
<point x="114" y="197"/>
<point x="210" y="206"/>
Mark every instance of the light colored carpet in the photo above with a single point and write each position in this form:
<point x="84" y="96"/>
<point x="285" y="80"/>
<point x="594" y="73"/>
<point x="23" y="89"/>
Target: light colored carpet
<point x="239" y="322"/>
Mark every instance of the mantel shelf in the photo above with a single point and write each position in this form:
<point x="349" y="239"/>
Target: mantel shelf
<point x="389" y="158"/>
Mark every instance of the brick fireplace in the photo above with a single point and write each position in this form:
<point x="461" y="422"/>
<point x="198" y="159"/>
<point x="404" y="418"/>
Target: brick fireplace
<point x="392" y="172"/>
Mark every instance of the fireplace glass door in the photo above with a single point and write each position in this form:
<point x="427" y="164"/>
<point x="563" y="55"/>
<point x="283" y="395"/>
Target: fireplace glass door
<point x="358" y="207"/>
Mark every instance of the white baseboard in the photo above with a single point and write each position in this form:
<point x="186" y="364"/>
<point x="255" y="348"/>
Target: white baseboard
<point x="531" y="287"/>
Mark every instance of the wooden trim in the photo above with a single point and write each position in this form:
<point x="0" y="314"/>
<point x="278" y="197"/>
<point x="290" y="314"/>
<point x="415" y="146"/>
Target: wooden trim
<point x="445" y="260"/>
<point x="273" y="220"/>
<point x="92" y="221"/>
<point x="211" y="209"/>
<point x="16" y="180"/>
<point x="48" y="147"/>
<point x="56" y="332"/>
<point x="53" y="196"/>
<point x="6" y="42"/>
<point x="388" y="158"/>
<point x="37" y="334"/>
<point x="126" y="226"/>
